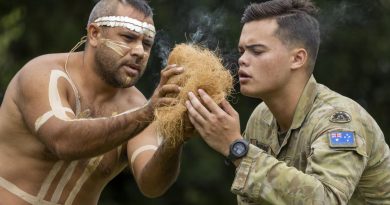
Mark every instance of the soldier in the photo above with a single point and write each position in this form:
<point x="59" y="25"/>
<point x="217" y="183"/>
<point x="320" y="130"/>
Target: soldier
<point x="304" y="144"/>
<point x="66" y="119"/>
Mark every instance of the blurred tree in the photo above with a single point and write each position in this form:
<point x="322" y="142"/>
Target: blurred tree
<point x="11" y="30"/>
<point x="354" y="57"/>
<point x="353" y="60"/>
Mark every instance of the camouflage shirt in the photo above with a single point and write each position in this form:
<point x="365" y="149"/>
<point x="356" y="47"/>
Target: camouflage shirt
<point x="333" y="153"/>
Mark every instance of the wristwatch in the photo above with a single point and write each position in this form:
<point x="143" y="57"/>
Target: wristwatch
<point x="238" y="149"/>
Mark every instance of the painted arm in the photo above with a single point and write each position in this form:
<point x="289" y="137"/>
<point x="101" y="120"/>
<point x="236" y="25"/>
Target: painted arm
<point x="155" y="164"/>
<point x="45" y="106"/>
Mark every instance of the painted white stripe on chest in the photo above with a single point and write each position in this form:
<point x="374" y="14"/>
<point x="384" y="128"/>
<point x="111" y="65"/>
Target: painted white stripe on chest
<point x="12" y="188"/>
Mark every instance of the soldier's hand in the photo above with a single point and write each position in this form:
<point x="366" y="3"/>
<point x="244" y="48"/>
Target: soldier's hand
<point x="218" y="125"/>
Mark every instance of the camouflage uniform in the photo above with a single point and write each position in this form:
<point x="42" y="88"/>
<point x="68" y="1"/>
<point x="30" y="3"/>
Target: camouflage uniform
<point x="309" y="167"/>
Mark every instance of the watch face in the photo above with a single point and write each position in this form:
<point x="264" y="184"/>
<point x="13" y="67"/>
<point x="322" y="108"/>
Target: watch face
<point x="239" y="149"/>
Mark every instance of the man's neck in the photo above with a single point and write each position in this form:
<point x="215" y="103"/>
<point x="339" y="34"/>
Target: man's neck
<point x="88" y="81"/>
<point x="284" y="103"/>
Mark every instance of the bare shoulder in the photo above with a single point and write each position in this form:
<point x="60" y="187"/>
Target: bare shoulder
<point x="35" y="75"/>
<point x="45" y="62"/>
<point x="40" y="67"/>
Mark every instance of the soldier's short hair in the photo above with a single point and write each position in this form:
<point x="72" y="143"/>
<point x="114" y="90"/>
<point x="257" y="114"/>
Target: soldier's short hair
<point x="108" y="8"/>
<point x="296" y="20"/>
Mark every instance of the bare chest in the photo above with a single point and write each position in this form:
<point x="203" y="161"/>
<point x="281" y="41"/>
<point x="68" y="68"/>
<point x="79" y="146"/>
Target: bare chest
<point x="90" y="110"/>
<point x="68" y="181"/>
<point x="62" y="182"/>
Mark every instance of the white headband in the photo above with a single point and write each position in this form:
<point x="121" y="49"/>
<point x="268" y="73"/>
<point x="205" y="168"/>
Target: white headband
<point x="127" y="22"/>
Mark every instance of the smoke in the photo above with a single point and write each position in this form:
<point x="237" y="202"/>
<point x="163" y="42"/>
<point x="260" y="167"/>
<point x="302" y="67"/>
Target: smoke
<point x="163" y="46"/>
<point x="336" y="15"/>
<point x="207" y="26"/>
<point x="203" y="28"/>
<point x="209" y="29"/>
<point x="331" y="17"/>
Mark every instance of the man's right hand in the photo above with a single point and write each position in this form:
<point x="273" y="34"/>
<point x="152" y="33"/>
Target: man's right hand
<point x="161" y="95"/>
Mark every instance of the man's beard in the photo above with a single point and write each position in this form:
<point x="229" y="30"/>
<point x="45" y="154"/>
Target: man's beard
<point x="107" y="68"/>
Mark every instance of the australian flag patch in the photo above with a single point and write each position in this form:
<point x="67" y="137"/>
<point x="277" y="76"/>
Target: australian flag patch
<point x="342" y="139"/>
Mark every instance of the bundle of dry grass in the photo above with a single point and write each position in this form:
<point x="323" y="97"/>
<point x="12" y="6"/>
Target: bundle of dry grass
<point x="203" y="69"/>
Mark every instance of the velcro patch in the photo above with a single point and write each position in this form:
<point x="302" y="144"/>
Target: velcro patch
<point x="342" y="139"/>
<point x="340" y="117"/>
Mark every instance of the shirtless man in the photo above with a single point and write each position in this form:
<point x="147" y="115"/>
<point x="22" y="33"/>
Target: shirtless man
<point x="66" y="119"/>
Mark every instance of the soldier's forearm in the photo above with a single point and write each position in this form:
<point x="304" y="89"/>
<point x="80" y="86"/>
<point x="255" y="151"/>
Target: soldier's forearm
<point x="261" y="177"/>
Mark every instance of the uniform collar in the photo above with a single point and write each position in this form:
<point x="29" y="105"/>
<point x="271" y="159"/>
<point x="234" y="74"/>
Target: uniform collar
<point x="305" y="104"/>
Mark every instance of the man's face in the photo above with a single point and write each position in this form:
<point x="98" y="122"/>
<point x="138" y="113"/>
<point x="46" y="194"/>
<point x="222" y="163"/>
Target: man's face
<point x="265" y="61"/>
<point x="122" y="60"/>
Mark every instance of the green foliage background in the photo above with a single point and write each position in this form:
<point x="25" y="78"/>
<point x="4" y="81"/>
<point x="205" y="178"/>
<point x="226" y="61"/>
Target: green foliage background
<point x="353" y="60"/>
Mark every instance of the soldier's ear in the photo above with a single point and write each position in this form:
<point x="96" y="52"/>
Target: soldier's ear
<point x="298" y="58"/>
<point x="93" y="33"/>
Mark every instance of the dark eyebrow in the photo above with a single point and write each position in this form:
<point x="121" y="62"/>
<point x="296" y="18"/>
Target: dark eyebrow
<point x="253" y="46"/>
<point x="136" y="34"/>
<point x="129" y="33"/>
<point x="256" y="46"/>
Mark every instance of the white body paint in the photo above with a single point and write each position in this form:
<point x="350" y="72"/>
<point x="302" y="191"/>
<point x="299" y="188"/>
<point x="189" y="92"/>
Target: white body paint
<point x="127" y="22"/>
<point x="144" y="148"/>
<point x="60" y="112"/>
